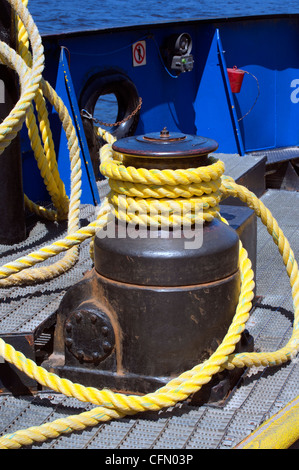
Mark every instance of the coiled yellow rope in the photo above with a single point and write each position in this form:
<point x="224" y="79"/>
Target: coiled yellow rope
<point x="141" y="185"/>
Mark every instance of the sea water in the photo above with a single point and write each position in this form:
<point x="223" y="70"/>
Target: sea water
<point x="57" y="16"/>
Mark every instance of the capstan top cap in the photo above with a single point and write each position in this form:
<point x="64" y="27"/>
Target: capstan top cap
<point x="165" y="144"/>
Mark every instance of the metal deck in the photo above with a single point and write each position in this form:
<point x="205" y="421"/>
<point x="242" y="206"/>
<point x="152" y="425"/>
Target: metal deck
<point x="261" y="393"/>
<point x="278" y="155"/>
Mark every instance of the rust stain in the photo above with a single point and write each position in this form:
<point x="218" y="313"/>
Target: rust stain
<point x="30" y="339"/>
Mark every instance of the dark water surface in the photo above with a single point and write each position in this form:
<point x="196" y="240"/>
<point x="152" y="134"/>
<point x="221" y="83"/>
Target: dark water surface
<point x="54" y="16"/>
<point x="57" y="16"/>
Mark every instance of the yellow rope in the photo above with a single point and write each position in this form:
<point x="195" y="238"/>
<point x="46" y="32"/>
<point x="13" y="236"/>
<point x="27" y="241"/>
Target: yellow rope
<point x="146" y="189"/>
<point x="46" y="158"/>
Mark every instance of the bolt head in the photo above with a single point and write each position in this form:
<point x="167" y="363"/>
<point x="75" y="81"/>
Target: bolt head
<point x="78" y="316"/>
<point x="106" y="346"/>
<point x="80" y="354"/>
<point x="68" y="342"/>
<point x="95" y="356"/>
<point x="105" y="330"/>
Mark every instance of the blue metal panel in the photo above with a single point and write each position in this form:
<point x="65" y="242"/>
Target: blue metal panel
<point x="33" y="184"/>
<point x="269" y="49"/>
<point x="229" y="96"/>
<point x="287" y="104"/>
<point x="258" y="128"/>
<point x="215" y="115"/>
<point x="37" y="191"/>
<point x="65" y="90"/>
<point x="199" y="101"/>
<point x="167" y="101"/>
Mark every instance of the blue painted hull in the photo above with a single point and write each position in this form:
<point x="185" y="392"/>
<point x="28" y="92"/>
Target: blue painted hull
<point x="200" y="101"/>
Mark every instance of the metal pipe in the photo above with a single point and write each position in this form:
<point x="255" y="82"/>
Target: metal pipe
<point x="281" y="431"/>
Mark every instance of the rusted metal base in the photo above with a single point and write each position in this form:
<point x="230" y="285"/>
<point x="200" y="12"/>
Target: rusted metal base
<point x="216" y="392"/>
<point x="135" y="338"/>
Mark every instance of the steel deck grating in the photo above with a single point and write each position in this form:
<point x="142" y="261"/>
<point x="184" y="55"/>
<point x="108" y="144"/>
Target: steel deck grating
<point x="24" y="308"/>
<point x="278" y="155"/>
<point x="263" y="391"/>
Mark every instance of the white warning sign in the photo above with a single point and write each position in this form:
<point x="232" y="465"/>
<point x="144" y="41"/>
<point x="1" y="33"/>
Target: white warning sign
<point x="139" y="53"/>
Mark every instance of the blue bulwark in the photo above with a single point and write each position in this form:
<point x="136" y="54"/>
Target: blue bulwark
<point x="214" y="104"/>
<point x="65" y="90"/>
